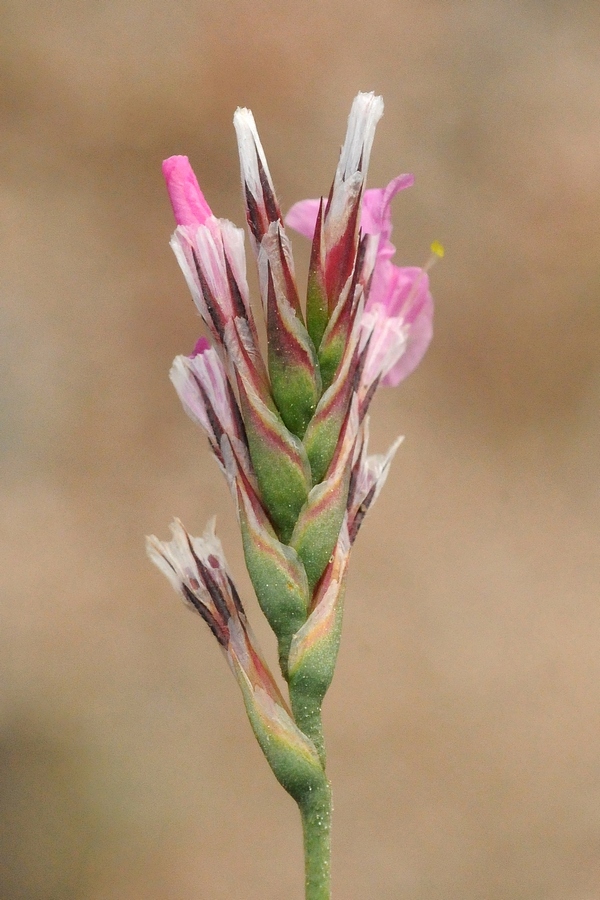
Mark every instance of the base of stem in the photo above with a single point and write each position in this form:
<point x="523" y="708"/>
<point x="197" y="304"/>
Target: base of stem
<point x="315" y="811"/>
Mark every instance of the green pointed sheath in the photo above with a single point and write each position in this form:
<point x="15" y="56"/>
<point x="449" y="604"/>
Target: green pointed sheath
<point x="278" y="576"/>
<point x="279" y="460"/>
<point x="330" y="355"/>
<point x="339" y="328"/>
<point x="319" y="524"/>
<point x="317" y="308"/>
<point x="322" y="434"/>
<point x="293" y="367"/>
<point x="337" y="334"/>
<point x="312" y="660"/>
<point x="291" y="755"/>
<point x="314" y="649"/>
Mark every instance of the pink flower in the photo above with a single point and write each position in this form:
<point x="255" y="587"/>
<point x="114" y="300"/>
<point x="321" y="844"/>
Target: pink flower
<point x="187" y="200"/>
<point x="197" y="569"/>
<point x="206" y="395"/>
<point x="262" y="208"/>
<point x="399" y="308"/>
<point x="210" y="252"/>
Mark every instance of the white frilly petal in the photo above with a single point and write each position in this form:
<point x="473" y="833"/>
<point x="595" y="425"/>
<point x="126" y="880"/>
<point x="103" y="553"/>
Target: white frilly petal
<point x="367" y="110"/>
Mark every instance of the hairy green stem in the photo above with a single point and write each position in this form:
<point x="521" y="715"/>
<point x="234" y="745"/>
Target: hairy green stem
<point x="315" y="806"/>
<point x="307" y="715"/>
<point x="315" y="810"/>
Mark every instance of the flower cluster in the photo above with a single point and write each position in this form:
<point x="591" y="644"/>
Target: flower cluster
<point x="290" y="431"/>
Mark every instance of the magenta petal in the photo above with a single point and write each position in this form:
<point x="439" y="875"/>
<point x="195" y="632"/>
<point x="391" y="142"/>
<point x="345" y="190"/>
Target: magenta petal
<point x="187" y="200"/>
<point x="392" y="285"/>
<point x="402" y="293"/>
<point x="376" y="215"/>
<point x="419" y="337"/>
<point x="202" y="345"/>
<point x="399" y="183"/>
<point x="302" y="217"/>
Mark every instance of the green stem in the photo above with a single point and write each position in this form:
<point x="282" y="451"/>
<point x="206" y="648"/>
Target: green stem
<point x="315" y="806"/>
<point x="315" y="810"/>
<point x="307" y="716"/>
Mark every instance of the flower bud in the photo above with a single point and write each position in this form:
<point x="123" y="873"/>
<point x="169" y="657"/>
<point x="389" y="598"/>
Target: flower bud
<point x="197" y="569"/>
<point x="207" y="397"/>
<point x="369" y="474"/>
<point x="262" y="207"/>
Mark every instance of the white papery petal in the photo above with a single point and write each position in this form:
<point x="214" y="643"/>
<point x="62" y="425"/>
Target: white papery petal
<point x="367" y="110"/>
<point x="248" y="146"/>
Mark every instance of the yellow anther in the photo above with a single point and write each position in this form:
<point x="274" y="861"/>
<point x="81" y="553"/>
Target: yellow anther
<point x="437" y="251"/>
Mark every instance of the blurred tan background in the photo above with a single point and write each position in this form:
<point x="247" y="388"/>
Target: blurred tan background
<point x="464" y="722"/>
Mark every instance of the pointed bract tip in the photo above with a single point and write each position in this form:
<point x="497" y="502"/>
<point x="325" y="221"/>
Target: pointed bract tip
<point x="187" y="200"/>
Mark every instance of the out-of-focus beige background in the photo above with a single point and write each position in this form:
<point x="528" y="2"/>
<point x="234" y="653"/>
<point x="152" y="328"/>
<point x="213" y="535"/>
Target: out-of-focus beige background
<point x="464" y="721"/>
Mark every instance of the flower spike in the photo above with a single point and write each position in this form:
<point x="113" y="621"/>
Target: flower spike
<point x="289" y="428"/>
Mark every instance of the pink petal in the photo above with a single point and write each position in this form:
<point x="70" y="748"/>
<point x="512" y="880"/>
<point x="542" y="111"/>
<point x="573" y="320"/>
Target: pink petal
<point x="302" y="217"/>
<point x="403" y="292"/>
<point x="202" y="345"/>
<point x="376" y="213"/>
<point x="391" y="285"/>
<point x="387" y="337"/>
<point x="399" y="183"/>
<point x="419" y="337"/>
<point x="187" y="200"/>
